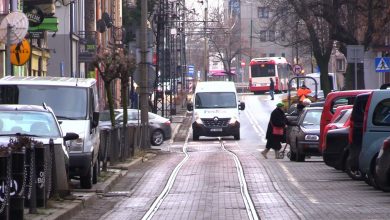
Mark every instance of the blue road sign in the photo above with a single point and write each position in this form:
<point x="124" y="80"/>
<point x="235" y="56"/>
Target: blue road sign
<point x="382" y="64"/>
<point x="191" y="70"/>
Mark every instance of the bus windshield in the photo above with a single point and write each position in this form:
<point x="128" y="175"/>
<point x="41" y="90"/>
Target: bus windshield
<point x="263" y="70"/>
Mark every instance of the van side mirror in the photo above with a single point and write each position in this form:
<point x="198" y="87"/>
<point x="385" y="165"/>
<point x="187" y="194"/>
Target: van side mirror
<point x="190" y="107"/>
<point x="241" y="106"/>
<point x="95" y="119"/>
<point x="70" y="136"/>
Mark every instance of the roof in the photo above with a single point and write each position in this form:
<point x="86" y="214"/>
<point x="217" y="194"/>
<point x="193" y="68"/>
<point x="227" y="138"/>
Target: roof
<point x="276" y="59"/>
<point x="215" y="86"/>
<point x="37" y="108"/>
<point x="51" y="81"/>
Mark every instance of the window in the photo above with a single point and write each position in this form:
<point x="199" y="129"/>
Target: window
<point x="263" y="12"/>
<point x="283" y="55"/>
<point x="263" y="36"/>
<point x="271" y="36"/>
<point x="340" y="63"/>
<point x="271" y="54"/>
<point x="381" y="114"/>
<point x="282" y="36"/>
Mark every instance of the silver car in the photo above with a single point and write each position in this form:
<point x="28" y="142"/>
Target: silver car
<point x="159" y="127"/>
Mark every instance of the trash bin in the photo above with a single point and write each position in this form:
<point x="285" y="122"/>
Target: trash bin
<point x="17" y="185"/>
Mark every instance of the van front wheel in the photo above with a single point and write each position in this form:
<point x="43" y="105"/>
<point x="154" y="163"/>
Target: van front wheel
<point x="86" y="181"/>
<point x="237" y="136"/>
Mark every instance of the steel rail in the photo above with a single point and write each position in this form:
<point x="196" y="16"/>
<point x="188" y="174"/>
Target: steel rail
<point x="156" y="204"/>
<point x="250" y="207"/>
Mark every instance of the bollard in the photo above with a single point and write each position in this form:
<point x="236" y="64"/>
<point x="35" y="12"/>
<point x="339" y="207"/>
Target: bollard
<point x="40" y="161"/>
<point x="5" y="175"/>
<point x="17" y="185"/>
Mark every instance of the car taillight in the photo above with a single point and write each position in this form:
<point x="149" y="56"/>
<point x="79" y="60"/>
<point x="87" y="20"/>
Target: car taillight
<point x="167" y="122"/>
<point x="277" y="83"/>
<point x="366" y="113"/>
<point x="250" y="81"/>
<point x="386" y="144"/>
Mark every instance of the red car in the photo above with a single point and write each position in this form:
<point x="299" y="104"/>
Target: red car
<point x="340" y="119"/>
<point x="332" y="101"/>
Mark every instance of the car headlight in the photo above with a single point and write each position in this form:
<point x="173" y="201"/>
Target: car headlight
<point x="76" y="145"/>
<point x="232" y="120"/>
<point x="311" y="137"/>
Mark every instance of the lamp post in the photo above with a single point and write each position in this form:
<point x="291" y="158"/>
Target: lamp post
<point x="206" y="55"/>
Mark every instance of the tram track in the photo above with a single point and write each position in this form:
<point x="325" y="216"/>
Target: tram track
<point x="249" y="205"/>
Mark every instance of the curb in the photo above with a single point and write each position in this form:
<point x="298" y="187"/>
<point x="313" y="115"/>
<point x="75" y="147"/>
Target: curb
<point x="68" y="207"/>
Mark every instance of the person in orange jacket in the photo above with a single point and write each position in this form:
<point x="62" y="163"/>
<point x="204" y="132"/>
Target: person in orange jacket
<point x="303" y="92"/>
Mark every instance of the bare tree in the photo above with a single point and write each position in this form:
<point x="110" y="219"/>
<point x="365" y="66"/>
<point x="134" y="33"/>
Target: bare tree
<point x="316" y="35"/>
<point x="224" y="39"/>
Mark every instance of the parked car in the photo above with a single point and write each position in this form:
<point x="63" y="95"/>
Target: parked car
<point x="39" y="123"/>
<point x="355" y="137"/>
<point x="376" y="128"/>
<point x="75" y="104"/>
<point x="304" y="134"/>
<point x="340" y="119"/>
<point x="332" y="101"/>
<point x="159" y="127"/>
<point x="382" y="169"/>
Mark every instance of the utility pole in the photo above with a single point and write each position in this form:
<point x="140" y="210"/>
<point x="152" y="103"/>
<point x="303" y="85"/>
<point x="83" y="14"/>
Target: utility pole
<point x="206" y="53"/>
<point x="145" y="143"/>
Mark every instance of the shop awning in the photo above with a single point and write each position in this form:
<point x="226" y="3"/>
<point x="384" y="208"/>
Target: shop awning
<point x="48" y="24"/>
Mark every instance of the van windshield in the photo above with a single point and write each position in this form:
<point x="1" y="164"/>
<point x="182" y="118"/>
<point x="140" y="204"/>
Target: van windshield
<point x="66" y="102"/>
<point x="215" y="100"/>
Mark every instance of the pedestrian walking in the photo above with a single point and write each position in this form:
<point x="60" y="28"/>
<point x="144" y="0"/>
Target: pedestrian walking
<point x="303" y="92"/>
<point x="271" y="88"/>
<point x="275" y="131"/>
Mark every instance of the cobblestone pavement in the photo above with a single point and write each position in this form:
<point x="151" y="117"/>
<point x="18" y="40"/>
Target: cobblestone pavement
<point x="207" y="187"/>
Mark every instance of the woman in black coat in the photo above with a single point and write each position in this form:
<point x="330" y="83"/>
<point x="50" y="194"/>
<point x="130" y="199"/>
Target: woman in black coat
<point x="277" y="119"/>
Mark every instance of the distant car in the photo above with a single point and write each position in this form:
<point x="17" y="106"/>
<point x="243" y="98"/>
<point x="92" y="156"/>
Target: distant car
<point x="159" y="127"/>
<point x="37" y="122"/>
<point x="304" y="134"/>
<point x="382" y="169"/>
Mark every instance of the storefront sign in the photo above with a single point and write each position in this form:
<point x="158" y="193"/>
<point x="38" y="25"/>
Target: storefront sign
<point x="35" y="16"/>
<point x="36" y="34"/>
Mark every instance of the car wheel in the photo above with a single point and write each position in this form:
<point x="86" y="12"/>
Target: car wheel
<point x="237" y="136"/>
<point x="96" y="170"/>
<point x="86" y="181"/>
<point x="354" y="174"/>
<point x="195" y="135"/>
<point x="370" y="180"/>
<point x="157" y="138"/>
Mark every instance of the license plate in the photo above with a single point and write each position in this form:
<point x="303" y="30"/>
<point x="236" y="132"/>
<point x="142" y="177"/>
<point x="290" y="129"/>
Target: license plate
<point x="216" y="129"/>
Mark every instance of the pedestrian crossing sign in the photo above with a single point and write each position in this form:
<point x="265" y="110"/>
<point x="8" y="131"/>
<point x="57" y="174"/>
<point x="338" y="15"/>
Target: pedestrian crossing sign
<point x="382" y="64"/>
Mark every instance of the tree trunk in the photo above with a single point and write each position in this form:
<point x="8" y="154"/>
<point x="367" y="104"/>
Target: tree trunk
<point x="110" y="102"/>
<point x="324" y="77"/>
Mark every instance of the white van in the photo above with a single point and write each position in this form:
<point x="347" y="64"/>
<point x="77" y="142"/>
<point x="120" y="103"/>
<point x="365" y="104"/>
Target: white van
<point x="215" y="108"/>
<point x="76" y="106"/>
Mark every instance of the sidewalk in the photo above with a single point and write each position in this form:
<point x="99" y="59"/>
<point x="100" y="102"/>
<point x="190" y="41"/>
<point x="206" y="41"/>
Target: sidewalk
<point x="64" y="209"/>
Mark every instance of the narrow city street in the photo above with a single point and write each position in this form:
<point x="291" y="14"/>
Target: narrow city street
<point x="202" y="180"/>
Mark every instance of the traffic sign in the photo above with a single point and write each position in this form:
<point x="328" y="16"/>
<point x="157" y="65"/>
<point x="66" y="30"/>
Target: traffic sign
<point x="191" y="70"/>
<point x="20" y="52"/>
<point x="382" y="64"/>
<point x="297" y="69"/>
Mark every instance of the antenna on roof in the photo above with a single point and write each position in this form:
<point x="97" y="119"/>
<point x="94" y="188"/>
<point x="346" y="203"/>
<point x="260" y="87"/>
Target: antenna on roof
<point x="44" y="105"/>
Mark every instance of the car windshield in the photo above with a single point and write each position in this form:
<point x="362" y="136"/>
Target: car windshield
<point x="41" y="124"/>
<point x="105" y="115"/>
<point x="215" y="100"/>
<point x="343" y="117"/>
<point x="312" y="117"/>
<point x="66" y="102"/>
